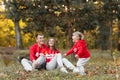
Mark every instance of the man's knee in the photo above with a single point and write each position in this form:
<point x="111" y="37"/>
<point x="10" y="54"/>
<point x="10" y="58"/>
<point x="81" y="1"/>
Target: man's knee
<point x="24" y="60"/>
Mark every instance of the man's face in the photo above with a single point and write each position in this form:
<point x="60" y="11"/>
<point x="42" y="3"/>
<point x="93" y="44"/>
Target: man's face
<point x="40" y="39"/>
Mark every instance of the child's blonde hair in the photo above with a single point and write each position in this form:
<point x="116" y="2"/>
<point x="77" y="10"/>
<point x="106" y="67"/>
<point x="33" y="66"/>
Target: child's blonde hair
<point x="80" y="34"/>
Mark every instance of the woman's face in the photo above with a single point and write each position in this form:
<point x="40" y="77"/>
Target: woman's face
<point x="51" y="42"/>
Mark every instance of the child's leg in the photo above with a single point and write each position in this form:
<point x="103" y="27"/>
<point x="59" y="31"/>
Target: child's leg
<point x="80" y="64"/>
<point x="52" y="64"/>
<point x="26" y="64"/>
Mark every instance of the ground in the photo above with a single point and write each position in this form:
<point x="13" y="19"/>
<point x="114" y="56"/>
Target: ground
<point x="100" y="67"/>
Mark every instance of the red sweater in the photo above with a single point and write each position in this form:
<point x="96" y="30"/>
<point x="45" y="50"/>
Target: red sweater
<point x="79" y="48"/>
<point x="50" y="54"/>
<point x="35" y="51"/>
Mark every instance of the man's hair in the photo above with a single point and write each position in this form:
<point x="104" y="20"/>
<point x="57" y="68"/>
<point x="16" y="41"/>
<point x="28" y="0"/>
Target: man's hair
<point x="38" y="34"/>
<point x="80" y="34"/>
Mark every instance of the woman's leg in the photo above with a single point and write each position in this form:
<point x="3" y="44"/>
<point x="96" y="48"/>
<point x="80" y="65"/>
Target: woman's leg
<point x="26" y="64"/>
<point x="60" y="63"/>
<point x="69" y="65"/>
<point x="59" y="60"/>
<point x="80" y="64"/>
<point x="52" y="64"/>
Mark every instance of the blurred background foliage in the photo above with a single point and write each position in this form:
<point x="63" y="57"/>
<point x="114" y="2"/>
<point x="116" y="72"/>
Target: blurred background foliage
<point x="99" y="20"/>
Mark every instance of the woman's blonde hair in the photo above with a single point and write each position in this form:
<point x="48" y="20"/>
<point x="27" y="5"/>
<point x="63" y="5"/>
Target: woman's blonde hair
<point x="80" y="34"/>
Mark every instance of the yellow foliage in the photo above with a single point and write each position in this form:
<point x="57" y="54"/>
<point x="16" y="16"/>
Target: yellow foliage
<point x="12" y="32"/>
<point x="1" y="6"/>
<point x="22" y="24"/>
<point x="7" y="32"/>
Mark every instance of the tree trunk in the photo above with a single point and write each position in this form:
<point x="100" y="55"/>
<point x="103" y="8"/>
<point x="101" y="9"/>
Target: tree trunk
<point x="18" y="35"/>
<point x="111" y="48"/>
<point x="70" y="40"/>
<point x="119" y="35"/>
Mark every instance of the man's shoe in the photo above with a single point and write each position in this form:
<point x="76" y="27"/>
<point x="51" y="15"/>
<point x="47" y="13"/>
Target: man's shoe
<point x="19" y="58"/>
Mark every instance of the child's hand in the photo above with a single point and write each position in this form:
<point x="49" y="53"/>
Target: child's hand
<point x="64" y="55"/>
<point x="76" y="56"/>
<point x="75" y="50"/>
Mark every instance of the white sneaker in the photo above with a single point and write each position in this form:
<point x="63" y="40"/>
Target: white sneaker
<point x="83" y="74"/>
<point x="63" y="70"/>
<point x="76" y="70"/>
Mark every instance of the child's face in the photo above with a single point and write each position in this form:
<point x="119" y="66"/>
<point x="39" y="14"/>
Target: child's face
<point x="51" y="42"/>
<point x="75" y="37"/>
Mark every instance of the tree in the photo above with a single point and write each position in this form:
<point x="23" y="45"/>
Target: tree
<point x="14" y="12"/>
<point x="111" y="9"/>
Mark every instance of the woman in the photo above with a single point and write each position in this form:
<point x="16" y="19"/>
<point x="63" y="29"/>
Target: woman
<point x="53" y="57"/>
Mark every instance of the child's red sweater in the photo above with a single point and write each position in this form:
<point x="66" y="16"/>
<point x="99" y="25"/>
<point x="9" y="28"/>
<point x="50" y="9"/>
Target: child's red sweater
<point x="79" y="48"/>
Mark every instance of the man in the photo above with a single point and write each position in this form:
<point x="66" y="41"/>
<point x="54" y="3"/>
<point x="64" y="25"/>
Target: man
<point x="37" y="59"/>
<point x="81" y="52"/>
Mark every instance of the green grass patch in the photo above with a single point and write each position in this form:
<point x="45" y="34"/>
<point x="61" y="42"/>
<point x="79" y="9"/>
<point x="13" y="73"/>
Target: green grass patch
<point x="100" y="67"/>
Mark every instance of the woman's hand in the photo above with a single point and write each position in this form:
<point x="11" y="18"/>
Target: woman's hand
<point x="41" y="54"/>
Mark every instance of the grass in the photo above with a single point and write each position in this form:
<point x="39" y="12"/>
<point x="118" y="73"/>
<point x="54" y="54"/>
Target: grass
<point x="100" y="67"/>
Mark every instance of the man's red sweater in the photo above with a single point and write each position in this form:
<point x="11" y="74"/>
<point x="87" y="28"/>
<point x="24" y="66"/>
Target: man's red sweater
<point x="79" y="48"/>
<point x="35" y="51"/>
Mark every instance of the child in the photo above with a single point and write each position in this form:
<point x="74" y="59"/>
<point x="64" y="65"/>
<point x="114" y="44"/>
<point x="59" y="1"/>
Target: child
<point x="80" y="50"/>
<point x="53" y="57"/>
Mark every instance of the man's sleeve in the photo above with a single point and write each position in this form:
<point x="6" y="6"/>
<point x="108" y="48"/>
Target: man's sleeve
<point x="32" y="54"/>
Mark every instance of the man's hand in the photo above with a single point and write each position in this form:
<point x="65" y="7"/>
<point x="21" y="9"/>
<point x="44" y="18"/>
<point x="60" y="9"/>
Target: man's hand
<point x="76" y="56"/>
<point x="41" y="54"/>
<point x="37" y="54"/>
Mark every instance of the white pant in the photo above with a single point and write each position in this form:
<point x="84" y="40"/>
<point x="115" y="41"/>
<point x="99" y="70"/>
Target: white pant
<point x="68" y="64"/>
<point x="29" y="66"/>
<point x="55" y="62"/>
<point x="80" y="65"/>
